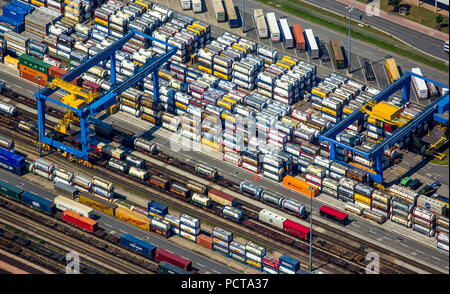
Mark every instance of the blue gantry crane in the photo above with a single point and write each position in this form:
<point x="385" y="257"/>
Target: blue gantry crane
<point x="84" y="113"/>
<point x="434" y="110"/>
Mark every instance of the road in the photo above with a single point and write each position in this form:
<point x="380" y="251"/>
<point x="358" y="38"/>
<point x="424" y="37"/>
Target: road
<point x="117" y="227"/>
<point x="429" y="44"/>
<point x="396" y="236"/>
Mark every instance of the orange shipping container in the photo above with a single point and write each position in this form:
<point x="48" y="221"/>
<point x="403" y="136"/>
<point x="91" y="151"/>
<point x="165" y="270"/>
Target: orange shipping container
<point x="32" y="78"/>
<point x="33" y="72"/>
<point x="204" y="241"/>
<point x="56" y="72"/>
<point x="133" y="218"/>
<point x="300" y="186"/>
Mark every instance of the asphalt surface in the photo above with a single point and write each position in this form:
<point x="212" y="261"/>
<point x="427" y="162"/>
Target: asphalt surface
<point x="398" y="237"/>
<point x="416" y="39"/>
<point x="117" y="228"/>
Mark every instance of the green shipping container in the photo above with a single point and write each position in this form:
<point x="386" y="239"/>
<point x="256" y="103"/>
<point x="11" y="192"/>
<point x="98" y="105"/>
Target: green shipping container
<point x="10" y="190"/>
<point x="34" y="63"/>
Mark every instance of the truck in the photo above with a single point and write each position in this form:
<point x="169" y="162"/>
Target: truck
<point x="197" y="6"/>
<point x="419" y="84"/>
<point x="287" y="35"/>
<point x="261" y="25"/>
<point x="273" y="27"/>
<point x="312" y="44"/>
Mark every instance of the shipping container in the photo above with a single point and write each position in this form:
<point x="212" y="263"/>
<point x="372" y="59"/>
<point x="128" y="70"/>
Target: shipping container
<point x="137" y="245"/>
<point x="312" y="44"/>
<point x="181" y="262"/>
<point x="221" y="197"/>
<point x="132" y="217"/>
<point x="273" y="27"/>
<point x="98" y="203"/>
<point x="298" y="36"/>
<point x="79" y="221"/>
<point x="38" y="202"/>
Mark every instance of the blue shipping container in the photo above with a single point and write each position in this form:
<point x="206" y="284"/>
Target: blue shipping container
<point x="17" y="24"/>
<point x="11" y="161"/>
<point x="138" y="245"/>
<point x="157" y="208"/>
<point x="167" y="268"/>
<point x="38" y="202"/>
<point x="15" y="12"/>
<point x="290" y="263"/>
<point x="24" y="6"/>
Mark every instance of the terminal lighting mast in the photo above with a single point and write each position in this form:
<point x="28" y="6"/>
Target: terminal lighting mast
<point x="242" y="16"/>
<point x="350" y="9"/>
<point x="310" y="228"/>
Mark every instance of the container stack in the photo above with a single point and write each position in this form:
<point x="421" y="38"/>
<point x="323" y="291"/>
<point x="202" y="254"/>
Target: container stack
<point x="63" y="176"/>
<point x="57" y="5"/>
<point x="190" y="127"/>
<point x="189" y="227"/>
<point x="442" y="241"/>
<point x="363" y="196"/>
<point x="64" y="46"/>
<point x="16" y="43"/>
<point x="254" y="255"/>
<point x="237" y="251"/>
<point x="251" y="160"/>
<point x="337" y="170"/>
<point x="102" y="188"/>
<point x="221" y="240"/>
<point x="37" y="49"/>
<point x="424" y="221"/>
<point x="381" y="203"/>
<point x="39" y="21"/>
<point x="270" y="265"/>
<point x="157" y="210"/>
<point x="330" y="187"/>
<point x="401" y="211"/>
<point x="160" y="226"/>
<point x="205" y="241"/>
<point x="273" y="167"/>
<point x="82" y="183"/>
<point x="130" y="102"/>
<point x="288" y="265"/>
<point x="245" y="72"/>
<point x="170" y="121"/>
<point x="315" y="175"/>
<point x="43" y="168"/>
<point x="269" y="55"/>
<point x="346" y="189"/>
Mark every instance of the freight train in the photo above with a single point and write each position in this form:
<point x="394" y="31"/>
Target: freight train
<point x="86" y="202"/>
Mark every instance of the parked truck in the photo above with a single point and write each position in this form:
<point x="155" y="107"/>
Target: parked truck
<point x="261" y="25"/>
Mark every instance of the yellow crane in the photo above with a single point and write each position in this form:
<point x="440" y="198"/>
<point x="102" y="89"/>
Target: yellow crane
<point x="78" y="97"/>
<point x="386" y="112"/>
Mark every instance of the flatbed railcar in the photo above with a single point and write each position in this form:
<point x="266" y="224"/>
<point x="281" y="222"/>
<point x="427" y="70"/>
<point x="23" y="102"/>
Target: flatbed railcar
<point x="334" y="214"/>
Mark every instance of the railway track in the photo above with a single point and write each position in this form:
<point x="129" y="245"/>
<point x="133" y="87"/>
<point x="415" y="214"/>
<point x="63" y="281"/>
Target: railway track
<point x="327" y="240"/>
<point x="105" y="254"/>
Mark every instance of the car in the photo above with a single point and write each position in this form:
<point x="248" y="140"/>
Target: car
<point x="405" y="181"/>
<point x="414" y="184"/>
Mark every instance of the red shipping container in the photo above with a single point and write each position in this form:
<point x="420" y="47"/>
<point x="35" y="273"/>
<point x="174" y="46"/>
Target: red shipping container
<point x="204" y="241"/>
<point x="80" y="221"/>
<point x="271" y="262"/>
<point x="296" y="229"/>
<point x="56" y="72"/>
<point x="93" y="86"/>
<point x="389" y="128"/>
<point x="181" y="262"/>
<point x="32" y="78"/>
<point x="298" y="36"/>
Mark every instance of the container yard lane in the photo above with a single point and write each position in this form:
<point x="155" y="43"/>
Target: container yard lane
<point x="116" y="227"/>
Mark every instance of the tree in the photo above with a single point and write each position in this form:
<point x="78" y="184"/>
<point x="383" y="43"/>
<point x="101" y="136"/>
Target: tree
<point x="439" y="19"/>
<point x="395" y="3"/>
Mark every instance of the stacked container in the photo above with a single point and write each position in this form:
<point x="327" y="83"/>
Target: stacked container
<point x="270" y="265"/>
<point x="401" y="210"/>
<point x="254" y="255"/>
<point x="237" y="251"/>
<point x="221" y="240"/>
<point x="102" y="188"/>
<point x="82" y="183"/>
<point x="40" y="19"/>
<point x="381" y="203"/>
<point x="43" y="168"/>
<point x="157" y="210"/>
<point x="175" y="222"/>
<point x="16" y="43"/>
<point x="251" y="160"/>
<point x="363" y="196"/>
<point x="424" y="221"/>
<point x="346" y="189"/>
<point x="131" y="103"/>
<point x="288" y="265"/>
<point x="63" y="176"/>
<point x="189" y="227"/>
<point x="330" y="187"/>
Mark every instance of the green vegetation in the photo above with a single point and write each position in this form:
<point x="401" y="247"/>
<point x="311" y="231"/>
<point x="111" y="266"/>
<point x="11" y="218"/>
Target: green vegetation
<point x="367" y="34"/>
<point x="444" y="161"/>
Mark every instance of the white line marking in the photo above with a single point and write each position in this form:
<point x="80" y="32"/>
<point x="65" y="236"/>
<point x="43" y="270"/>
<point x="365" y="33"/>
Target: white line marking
<point x="199" y="264"/>
<point x="123" y="231"/>
<point x="360" y="64"/>
<point x="216" y="272"/>
<point x="436" y="258"/>
<point x="404" y="245"/>
<point x="420" y="251"/>
<point x="108" y="225"/>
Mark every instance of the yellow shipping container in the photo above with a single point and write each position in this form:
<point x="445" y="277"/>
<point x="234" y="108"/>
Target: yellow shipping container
<point x="146" y="5"/>
<point x="329" y="111"/>
<point x="11" y="61"/>
<point x="204" y="69"/>
<point x="194" y="29"/>
<point x="225" y="104"/>
<point x="133" y="218"/>
<point x="363" y="199"/>
<point x="291" y="121"/>
<point x="39" y="4"/>
<point x="253" y="263"/>
<point x="347" y="110"/>
<point x="201" y="28"/>
<point x="222" y="76"/>
<point x="165" y="75"/>
<point x="316" y="91"/>
<point x="230" y="118"/>
<point x="240" y="47"/>
<point x="180" y="105"/>
<point x="106" y="208"/>
<point x="101" y="21"/>
<point x="283" y="64"/>
<point x="290" y="59"/>
<point x="212" y="144"/>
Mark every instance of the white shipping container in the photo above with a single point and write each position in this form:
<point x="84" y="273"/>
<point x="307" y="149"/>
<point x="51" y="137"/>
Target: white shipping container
<point x="273" y="27"/>
<point x="63" y="203"/>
